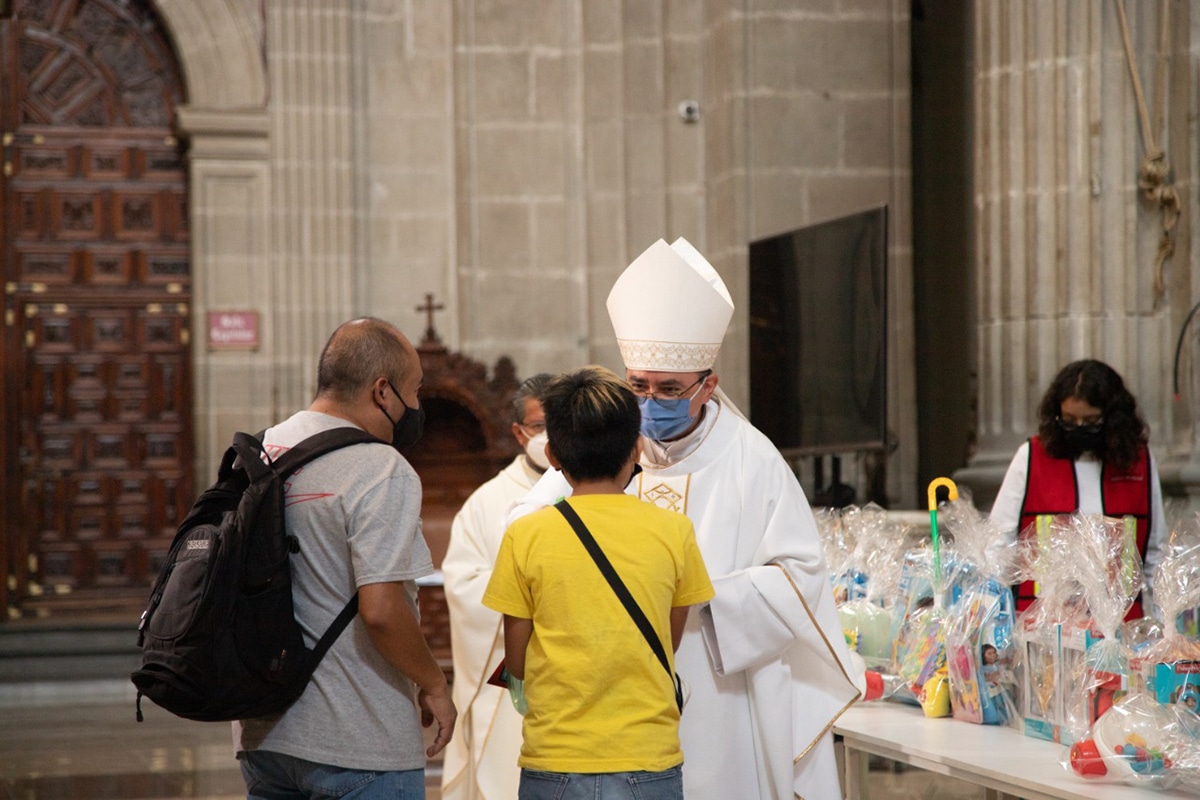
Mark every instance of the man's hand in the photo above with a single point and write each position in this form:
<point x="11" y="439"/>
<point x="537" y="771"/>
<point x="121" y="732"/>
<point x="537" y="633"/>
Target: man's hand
<point x="438" y="707"/>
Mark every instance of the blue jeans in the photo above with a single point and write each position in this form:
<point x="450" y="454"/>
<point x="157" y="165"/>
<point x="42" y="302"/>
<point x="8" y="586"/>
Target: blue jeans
<point x="665" y="785"/>
<point x="274" y="776"/>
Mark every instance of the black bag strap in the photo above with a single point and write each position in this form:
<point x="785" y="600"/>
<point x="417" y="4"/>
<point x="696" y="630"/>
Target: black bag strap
<point x="333" y="632"/>
<point x="622" y="592"/>
<point x="250" y="453"/>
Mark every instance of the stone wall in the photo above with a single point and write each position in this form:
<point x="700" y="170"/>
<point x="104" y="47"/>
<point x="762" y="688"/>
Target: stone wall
<point x="512" y="157"/>
<point x="1065" y="241"/>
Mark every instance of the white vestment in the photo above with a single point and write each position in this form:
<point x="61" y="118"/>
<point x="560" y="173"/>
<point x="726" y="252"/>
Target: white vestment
<point x="481" y="760"/>
<point x="766" y="659"/>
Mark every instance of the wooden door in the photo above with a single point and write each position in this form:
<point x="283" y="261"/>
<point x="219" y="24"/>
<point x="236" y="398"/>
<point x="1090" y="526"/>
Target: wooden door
<point x="96" y="400"/>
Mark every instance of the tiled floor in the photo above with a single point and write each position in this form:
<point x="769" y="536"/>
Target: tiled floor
<point x="82" y="741"/>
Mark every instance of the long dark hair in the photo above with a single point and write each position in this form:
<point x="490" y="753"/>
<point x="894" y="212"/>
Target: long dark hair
<point x="1099" y="385"/>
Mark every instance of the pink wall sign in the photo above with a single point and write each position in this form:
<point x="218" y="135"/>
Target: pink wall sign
<point x="232" y="330"/>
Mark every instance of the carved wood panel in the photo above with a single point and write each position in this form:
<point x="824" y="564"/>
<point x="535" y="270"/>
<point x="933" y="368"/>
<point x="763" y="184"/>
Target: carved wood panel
<point x="96" y="265"/>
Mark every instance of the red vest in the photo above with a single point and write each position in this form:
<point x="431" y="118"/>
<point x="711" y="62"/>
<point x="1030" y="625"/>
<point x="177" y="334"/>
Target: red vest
<point x="1050" y="488"/>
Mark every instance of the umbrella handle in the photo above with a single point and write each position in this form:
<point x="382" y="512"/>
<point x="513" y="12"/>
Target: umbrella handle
<point x="950" y="485"/>
<point x="952" y="488"/>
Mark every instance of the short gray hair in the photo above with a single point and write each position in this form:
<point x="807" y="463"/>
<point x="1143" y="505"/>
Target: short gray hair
<point x="359" y="352"/>
<point x="531" y="388"/>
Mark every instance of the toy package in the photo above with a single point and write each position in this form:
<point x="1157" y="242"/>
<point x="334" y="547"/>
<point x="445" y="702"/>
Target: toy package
<point x="1054" y="677"/>
<point x="979" y="653"/>
<point x="866" y="614"/>
<point x="929" y="583"/>
<point x="1170" y="667"/>
<point x="1142" y="742"/>
<point x="917" y="636"/>
<point x="925" y="655"/>
<point x="1139" y="635"/>
<point x="980" y="646"/>
<point x="1108" y="568"/>
<point x="1053" y="632"/>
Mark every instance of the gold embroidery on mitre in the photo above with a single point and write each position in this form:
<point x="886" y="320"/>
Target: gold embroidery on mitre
<point x="667" y="356"/>
<point x="664" y="495"/>
<point x="836" y="660"/>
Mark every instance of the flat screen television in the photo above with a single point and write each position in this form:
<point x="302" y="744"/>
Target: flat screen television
<point x="818" y="336"/>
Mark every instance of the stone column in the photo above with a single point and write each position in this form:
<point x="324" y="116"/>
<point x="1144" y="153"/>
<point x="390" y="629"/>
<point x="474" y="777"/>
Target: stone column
<point x="230" y="198"/>
<point x="225" y="125"/>
<point x="313" y="208"/>
<point x="1064" y="244"/>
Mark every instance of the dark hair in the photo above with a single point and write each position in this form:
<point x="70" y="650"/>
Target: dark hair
<point x="358" y="353"/>
<point x="592" y="422"/>
<point x="1098" y="385"/>
<point x="530" y="389"/>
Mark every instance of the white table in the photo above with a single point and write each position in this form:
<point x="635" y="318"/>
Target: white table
<point x="1006" y="762"/>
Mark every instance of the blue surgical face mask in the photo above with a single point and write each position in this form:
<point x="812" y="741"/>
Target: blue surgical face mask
<point x="663" y="420"/>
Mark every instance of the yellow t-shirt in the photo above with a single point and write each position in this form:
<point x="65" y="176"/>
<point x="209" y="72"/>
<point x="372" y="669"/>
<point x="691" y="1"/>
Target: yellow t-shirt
<point x="599" y="700"/>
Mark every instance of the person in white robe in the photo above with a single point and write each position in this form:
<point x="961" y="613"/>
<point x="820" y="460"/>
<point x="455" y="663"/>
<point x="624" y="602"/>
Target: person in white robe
<point x="766" y="659"/>
<point x="481" y="761"/>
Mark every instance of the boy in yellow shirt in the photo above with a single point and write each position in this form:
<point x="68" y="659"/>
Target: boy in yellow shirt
<point x="603" y="715"/>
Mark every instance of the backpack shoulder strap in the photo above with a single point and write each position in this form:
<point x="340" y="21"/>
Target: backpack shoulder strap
<point x="320" y="444"/>
<point x="251" y="452"/>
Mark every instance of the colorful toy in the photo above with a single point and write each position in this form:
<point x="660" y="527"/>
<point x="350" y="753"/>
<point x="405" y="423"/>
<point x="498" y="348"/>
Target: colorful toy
<point x="979" y="655"/>
<point x="935" y="695"/>
<point x="1131" y="740"/>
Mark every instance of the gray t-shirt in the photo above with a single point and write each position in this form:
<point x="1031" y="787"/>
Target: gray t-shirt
<point x="356" y="512"/>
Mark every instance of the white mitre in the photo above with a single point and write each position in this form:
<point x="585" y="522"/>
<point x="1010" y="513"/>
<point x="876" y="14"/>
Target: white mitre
<point x="669" y="310"/>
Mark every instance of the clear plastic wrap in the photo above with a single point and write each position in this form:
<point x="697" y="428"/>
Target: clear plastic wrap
<point x="836" y="546"/>
<point x="980" y="650"/>
<point x="919" y="621"/>
<point x="1171" y="666"/>
<point x="1108" y="569"/>
<point x="980" y="646"/>
<point x="1139" y="635"/>
<point x="1141" y="742"/>
<point x="1053" y="632"/>
<point x="866" y="618"/>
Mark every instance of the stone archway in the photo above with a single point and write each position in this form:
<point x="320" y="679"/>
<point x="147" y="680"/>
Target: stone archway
<point x="219" y="44"/>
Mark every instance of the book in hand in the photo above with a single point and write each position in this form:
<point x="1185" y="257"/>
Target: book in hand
<point x="500" y="676"/>
<point x="515" y="686"/>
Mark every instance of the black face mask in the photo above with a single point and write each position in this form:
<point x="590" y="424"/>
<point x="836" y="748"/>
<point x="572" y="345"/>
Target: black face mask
<point x="1084" y="438"/>
<point x="408" y="429"/>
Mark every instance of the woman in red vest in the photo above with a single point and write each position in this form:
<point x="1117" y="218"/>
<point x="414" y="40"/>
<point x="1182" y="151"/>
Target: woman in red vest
<point x="1090" y="455"/>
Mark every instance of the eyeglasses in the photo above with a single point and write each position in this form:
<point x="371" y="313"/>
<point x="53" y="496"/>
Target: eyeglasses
<point x="1089" y="425"/>
<point x="533" y="428"/>
<point x="642" y="389"/>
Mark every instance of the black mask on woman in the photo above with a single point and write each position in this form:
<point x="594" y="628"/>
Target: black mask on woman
<point x="1084" y="438"/>
<point x="408" y="429"/>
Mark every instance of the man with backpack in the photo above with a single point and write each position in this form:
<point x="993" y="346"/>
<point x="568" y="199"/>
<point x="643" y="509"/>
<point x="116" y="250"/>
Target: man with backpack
<point x="355" y="513"/>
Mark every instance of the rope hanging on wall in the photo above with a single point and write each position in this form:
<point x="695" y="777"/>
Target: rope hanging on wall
<point x="1154" y="177"/>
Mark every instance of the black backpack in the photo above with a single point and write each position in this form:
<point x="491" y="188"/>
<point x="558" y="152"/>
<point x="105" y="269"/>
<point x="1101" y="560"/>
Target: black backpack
<point x="219" y="637"/>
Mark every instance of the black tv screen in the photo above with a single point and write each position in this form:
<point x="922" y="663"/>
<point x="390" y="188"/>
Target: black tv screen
<point x="818" y="335"/>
